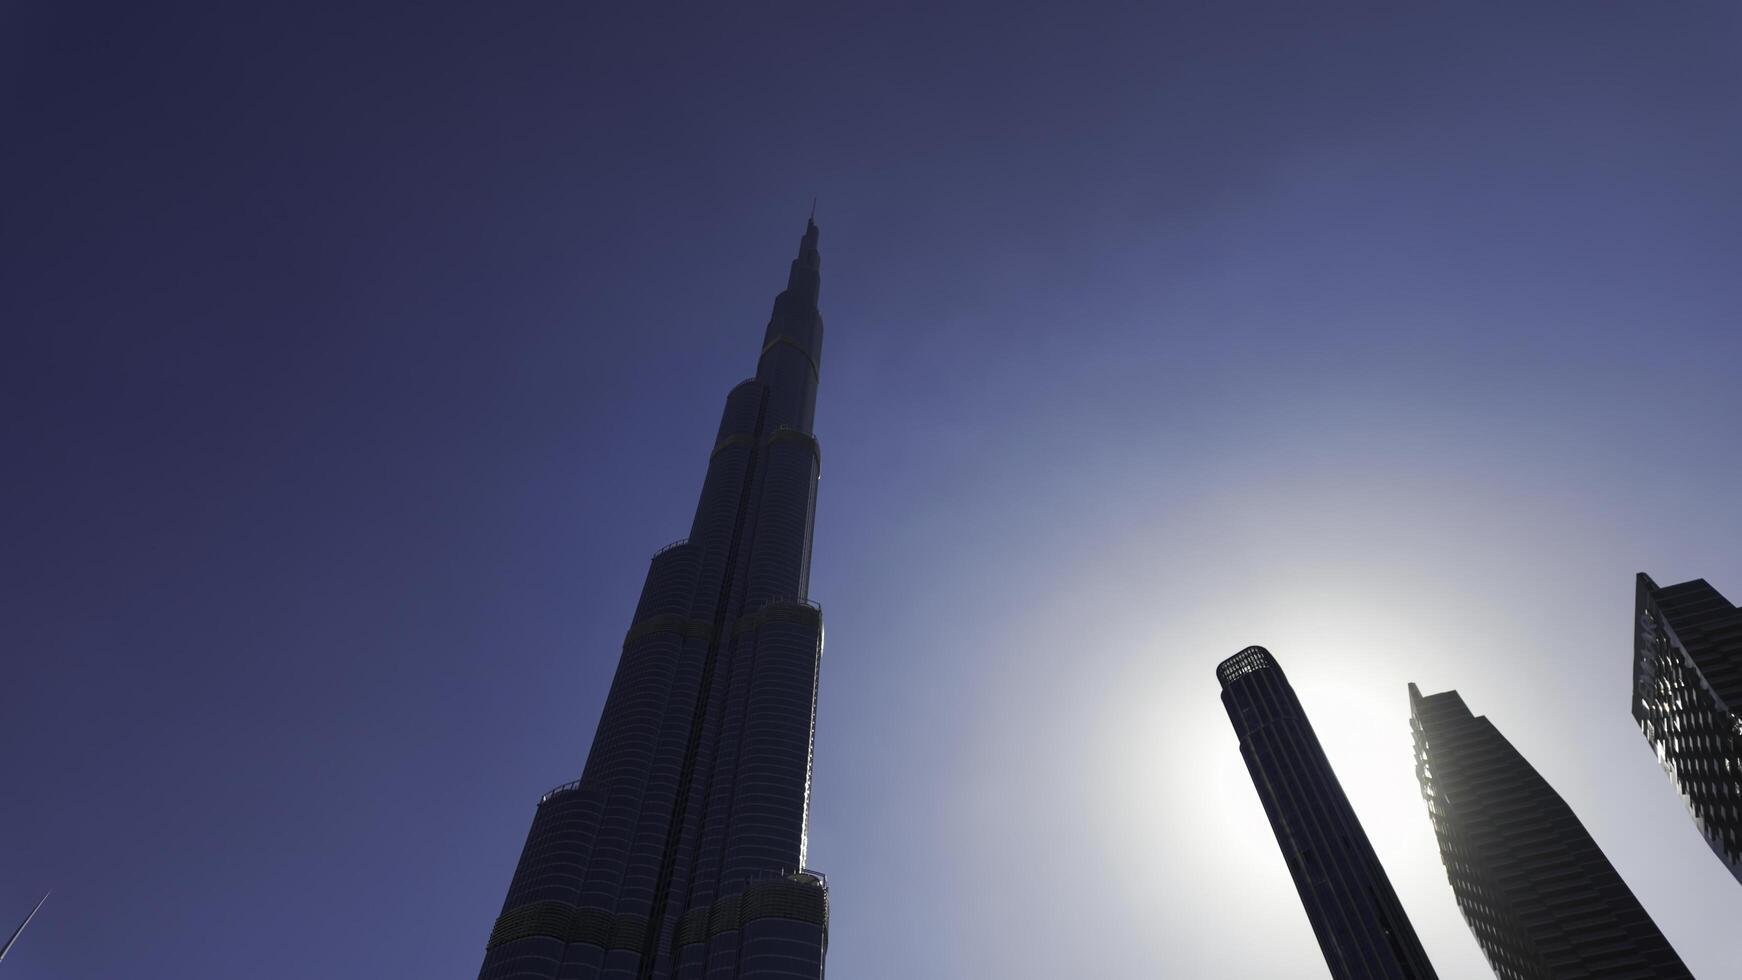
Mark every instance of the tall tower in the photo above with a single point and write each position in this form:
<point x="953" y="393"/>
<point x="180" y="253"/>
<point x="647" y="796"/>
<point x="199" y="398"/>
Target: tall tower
<point x="1355" y="914"/>
<point x="1538" y="894"/>
<point x="1687" y="699"/>
<point x="680" y="852"/>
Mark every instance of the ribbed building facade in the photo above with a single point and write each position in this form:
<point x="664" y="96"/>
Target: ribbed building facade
<point x="1687" y="699"/>
<point x="680" y="851"/>
<point x="1360" y="925"/>
<point x="1542" y="900"/>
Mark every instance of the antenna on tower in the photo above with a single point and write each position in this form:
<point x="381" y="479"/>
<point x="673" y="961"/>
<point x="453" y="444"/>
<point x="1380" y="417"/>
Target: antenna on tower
<point x="813" y="208"/>
<point x="8" y="947"/>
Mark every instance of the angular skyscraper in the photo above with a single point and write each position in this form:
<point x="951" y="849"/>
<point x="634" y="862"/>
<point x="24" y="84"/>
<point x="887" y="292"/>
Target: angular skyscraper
<point x="1355" y="913"/>
<point x="1539" y="896"/>
<point x="1687" y="699"/>
<point x="680" y="852"/>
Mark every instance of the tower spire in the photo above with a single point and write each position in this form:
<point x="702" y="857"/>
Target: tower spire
<point x="15" y="933"/>
<point x="680" y="852"/>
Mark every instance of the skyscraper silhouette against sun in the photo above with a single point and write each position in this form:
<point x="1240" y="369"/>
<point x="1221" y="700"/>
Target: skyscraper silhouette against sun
<point x="1355" y="914"/>
<point x="1542" y="900"/>
<point x="680" y="851"/>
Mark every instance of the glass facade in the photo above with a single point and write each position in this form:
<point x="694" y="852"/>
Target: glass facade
<point x="1355" y="914"/>
<point x="680" y="852"/>
<point x="1542" y="900"/>
<point x="1687" y="695"/>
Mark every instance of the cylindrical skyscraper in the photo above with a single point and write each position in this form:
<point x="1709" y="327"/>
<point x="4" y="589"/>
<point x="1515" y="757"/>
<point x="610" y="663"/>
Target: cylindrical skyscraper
<point x="1355" y="913"/>
<point x="680" y="852"/>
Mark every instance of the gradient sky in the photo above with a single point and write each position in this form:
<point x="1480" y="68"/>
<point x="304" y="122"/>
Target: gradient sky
<point x="357" y="358"/>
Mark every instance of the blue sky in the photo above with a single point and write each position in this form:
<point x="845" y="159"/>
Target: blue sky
<point x="359" y="358"/>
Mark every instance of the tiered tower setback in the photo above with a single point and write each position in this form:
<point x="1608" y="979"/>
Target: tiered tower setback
<point x="680" y="852"/>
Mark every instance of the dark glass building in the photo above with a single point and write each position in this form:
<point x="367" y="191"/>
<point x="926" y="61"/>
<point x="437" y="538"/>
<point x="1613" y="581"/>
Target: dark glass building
<point x="1687" y="699"/>
<point x="1537" y="892"/>
<point x="680" y="852"/>
<point x="1354" y="912"/>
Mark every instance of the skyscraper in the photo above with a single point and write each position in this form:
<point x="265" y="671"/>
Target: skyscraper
<point x="1354" y="912"/>
<point x="680" y="852"/>
<point x="1687" y="699"/>
<point x="1537" y="892"/>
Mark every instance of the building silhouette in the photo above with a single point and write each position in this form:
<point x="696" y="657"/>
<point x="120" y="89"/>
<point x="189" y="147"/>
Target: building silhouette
<point x="1687" y="699"/>
<point x="10" y="942"/>
<point x="680" y="851"/>
<point x="1538" y="894"/>
<point x="1360" y="924"/>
